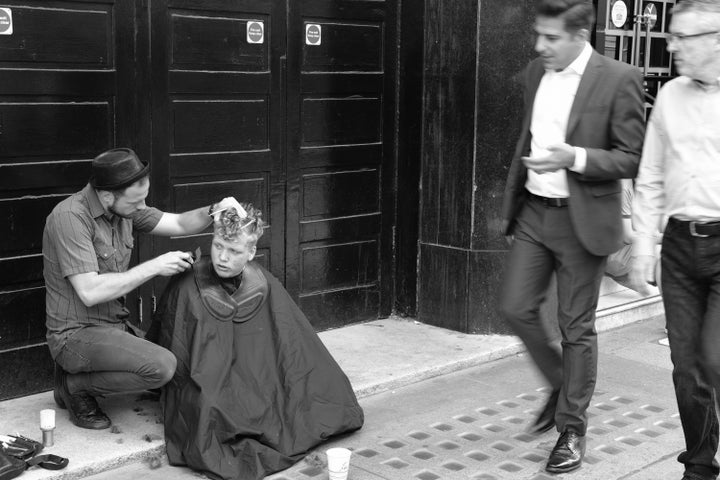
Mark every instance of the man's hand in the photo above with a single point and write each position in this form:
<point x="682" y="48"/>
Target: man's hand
<point x="172" y="263"/>
<point x="94" y="288"/>
<point x="224" y="204"/>
<point x="643" y="273"/>
<point x="558" y="156"/>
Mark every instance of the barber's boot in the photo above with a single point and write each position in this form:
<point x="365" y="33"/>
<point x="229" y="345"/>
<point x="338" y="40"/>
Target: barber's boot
<point x="83" y="408"/>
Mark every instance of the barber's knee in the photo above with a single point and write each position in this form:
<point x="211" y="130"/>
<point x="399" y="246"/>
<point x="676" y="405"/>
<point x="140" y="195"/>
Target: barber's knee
<point x="164" y="368"/>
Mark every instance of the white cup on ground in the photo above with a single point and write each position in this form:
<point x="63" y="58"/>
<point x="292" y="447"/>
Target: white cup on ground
<point x="338" y="463"/>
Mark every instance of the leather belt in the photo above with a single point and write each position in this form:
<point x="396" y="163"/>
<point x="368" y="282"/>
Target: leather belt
<point x="699" y="229"/>
<point x="550" y="201"/>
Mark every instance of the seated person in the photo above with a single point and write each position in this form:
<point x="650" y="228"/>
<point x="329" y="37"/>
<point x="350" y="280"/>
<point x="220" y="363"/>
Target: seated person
<point x="619" y="264"/>
<point x="254" y="389"/>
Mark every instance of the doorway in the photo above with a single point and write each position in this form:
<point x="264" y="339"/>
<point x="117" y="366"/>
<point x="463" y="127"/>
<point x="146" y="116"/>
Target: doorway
<point x="289" y="106"/>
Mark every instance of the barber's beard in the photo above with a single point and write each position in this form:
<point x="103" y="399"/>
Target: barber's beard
<point x="112" y="210"/>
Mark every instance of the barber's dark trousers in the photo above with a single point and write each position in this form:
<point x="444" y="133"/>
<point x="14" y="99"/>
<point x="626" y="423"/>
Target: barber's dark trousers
<point x="545" y="242"/>
<point x="103" y="360"/>
<point x="691" y="295"/>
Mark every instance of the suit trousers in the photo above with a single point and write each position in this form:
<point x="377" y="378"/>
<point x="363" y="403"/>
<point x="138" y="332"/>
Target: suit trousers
<point x="691" y="296"/>
<point x="545" y="242"/>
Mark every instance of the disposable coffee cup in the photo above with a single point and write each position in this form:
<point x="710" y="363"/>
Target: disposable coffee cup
<point x="338" y="463"/>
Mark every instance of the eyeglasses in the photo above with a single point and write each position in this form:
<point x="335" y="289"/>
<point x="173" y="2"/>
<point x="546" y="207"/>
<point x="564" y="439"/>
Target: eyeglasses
<point x="676" y="37"/>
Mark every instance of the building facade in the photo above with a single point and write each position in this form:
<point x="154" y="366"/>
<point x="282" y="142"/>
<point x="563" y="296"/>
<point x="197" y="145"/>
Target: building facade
<point x="375" y="135"/>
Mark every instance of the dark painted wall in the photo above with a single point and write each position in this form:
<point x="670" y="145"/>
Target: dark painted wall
<point x="471" y="108"/>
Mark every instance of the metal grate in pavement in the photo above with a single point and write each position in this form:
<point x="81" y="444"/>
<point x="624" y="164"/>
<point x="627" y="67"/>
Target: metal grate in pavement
<point x="489" y="442"/>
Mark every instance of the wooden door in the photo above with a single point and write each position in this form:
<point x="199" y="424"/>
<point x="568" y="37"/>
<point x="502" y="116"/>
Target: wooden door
<point x="341" y="86"/>
<point x="66" y="94"/>
<point x="303" y="131"/>
<point x="218" y="114"/>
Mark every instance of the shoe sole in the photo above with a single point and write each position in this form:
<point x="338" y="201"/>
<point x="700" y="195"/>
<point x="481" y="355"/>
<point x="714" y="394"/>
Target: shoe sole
<point x="562" y="470"/>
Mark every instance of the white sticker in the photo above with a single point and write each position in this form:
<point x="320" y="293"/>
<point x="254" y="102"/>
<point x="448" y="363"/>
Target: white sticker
<point x="619" y="13"/>
<point x="313" y="34"/>
<point x="6" y="24"/>
<point x="255" y="31"/>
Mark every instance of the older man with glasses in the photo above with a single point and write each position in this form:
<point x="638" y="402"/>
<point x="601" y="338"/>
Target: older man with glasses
<point x="679" y="177"/>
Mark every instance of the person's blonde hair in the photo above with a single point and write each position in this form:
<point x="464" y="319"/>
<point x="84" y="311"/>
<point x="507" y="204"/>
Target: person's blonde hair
<point x="231" y="226"/>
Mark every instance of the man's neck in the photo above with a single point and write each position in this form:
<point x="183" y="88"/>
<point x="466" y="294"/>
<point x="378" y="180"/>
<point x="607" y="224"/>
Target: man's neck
<point x="707" y="82"/>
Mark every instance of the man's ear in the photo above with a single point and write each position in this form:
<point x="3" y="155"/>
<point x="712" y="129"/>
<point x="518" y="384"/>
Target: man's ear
<point x="252" y="252"/>
<point x="106" y="198"/>
<point x="583" y="34"/>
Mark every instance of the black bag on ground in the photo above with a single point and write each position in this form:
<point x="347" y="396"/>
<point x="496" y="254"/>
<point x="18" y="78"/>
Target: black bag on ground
<point x="19" y="447"/>
<point x="10" y="467"/>
<point x="18" y="453"/>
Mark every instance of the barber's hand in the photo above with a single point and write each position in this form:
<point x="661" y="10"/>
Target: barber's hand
<point x="172" y="263"/>
<point x="559" y="156"/>
<point x="643" y="273"/>
<point x="228" y="202"/>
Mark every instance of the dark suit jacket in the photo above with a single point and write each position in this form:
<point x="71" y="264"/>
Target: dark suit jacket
<point x="607" y="119"/>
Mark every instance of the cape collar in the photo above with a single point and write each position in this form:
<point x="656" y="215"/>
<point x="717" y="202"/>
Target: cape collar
<point x="239" y="307"/>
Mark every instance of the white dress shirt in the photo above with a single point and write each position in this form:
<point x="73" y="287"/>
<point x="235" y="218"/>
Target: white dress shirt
<point x="551" y="111"/>
<point x="679" y="172"/>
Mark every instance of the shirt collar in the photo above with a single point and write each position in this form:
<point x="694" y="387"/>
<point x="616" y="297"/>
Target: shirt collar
<point x="580" y="63"/>
<point x="96" y="208"/>
<point x="707" y="87"/>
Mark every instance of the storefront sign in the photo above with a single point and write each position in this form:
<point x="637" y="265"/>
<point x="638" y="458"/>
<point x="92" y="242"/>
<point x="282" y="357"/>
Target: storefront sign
<point x="650" y="14"/>
<point x="619" y="14"/>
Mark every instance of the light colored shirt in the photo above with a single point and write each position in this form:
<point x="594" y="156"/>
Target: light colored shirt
<point x="79" y="237"/>
<point x="551" y="111"/>
<point x="679" y="172"/>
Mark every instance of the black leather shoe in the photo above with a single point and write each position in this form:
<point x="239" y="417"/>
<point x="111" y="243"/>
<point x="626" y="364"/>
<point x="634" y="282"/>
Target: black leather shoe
<point x="696" y="476"/>
<point x="567" y="454"/>
<point x="546" y="420"/>
<point x="83" y="409"/>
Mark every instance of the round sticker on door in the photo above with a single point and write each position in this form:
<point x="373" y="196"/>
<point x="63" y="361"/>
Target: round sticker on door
<point x="313" y="34"/>
<point x="619" y="14"/>
<point x="255" y="32"/>
<point x="6" y="23"/>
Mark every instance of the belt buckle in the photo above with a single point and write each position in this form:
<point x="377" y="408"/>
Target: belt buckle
<point x="693" y="230"/>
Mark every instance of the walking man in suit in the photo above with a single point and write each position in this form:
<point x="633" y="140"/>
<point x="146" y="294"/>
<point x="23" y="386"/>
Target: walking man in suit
<point x="582" y="131"/>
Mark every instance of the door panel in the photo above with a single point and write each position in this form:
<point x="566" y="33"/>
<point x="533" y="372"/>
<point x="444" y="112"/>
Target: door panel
<point x="340" y="162"/>
<point x="64" y="97"/>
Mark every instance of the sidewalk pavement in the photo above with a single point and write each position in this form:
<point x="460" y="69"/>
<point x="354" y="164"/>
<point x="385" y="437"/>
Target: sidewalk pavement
<point x="377" y="356"/>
